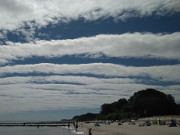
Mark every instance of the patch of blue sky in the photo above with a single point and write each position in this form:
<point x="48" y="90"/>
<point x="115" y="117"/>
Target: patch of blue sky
<point x="82" y="59"/>
<point x="46" y="82"/>
<point x="49" y="76"/>
<point x="82" y="28"/>
<point x="146" y="80"/>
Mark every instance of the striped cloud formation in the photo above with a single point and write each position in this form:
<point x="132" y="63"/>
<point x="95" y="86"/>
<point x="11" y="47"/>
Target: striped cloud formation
<point x="63" y="58"/>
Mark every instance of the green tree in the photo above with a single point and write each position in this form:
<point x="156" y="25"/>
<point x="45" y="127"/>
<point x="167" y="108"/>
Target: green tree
<point x="152" y="102"/>
<point x="121" y="104"/>
<point x="106" y="109"/>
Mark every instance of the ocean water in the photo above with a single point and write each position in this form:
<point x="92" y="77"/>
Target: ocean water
<point x="36" y="131"/>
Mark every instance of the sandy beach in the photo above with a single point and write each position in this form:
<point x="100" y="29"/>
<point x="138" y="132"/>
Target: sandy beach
<point x="126" y="129"/>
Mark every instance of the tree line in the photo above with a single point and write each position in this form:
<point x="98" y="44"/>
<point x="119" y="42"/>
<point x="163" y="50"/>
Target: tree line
<point x="144" y="103"/>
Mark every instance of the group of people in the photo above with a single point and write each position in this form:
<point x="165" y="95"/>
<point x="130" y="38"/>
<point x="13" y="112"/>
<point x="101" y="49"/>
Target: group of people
<point x="76" y="128"/>
<point x="75" y="125"/>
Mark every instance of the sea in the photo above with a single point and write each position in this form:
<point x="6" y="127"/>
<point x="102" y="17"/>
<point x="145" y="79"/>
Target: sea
<point x="36" y="131"/>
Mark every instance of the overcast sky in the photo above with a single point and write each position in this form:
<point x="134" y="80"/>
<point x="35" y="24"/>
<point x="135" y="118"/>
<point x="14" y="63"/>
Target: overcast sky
<point x="60" y="58"/>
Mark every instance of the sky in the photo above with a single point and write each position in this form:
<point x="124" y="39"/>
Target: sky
<point x="61" y="58"/>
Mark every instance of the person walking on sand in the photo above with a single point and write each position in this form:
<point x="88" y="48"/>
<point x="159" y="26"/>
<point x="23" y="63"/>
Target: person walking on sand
<point x="90" y="133"/>
<point x="68" y="125"/>
<point x="76" y="126"/>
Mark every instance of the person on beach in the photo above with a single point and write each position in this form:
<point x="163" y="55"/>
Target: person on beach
<point x="68" y="125"/>
<point x="90" y="133"/>
<point x="76" y="126"/>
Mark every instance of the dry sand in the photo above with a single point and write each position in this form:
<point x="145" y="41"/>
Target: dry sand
<point x="126" y="129"/>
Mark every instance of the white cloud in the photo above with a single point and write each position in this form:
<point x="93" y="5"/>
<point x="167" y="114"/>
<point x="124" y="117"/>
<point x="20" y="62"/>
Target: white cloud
<point x="84" y="80"/>
<point x="53" y="92"/>
<point x="2" y="36"/>
<point x="161" y="73"/>
<point x="32" y="93"/>
<point x="125" y="45"/>
<point x="13" y="13"/>
<point x="22" y="94"/>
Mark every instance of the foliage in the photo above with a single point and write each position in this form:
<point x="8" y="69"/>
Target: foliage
<point x="85" y="117"/>
<point x="147" y="102"/>
<point x="120" y="105"/>
<point x="152" y="102"/>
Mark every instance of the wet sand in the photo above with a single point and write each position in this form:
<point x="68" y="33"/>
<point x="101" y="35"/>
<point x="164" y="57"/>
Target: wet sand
<point x="126" y="129"/>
